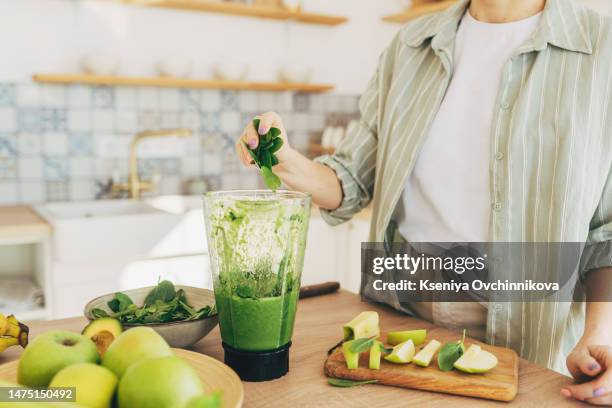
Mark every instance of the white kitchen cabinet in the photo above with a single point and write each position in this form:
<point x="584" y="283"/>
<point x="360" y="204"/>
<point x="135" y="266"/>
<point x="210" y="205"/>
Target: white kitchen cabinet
<point x="334" y="253"/>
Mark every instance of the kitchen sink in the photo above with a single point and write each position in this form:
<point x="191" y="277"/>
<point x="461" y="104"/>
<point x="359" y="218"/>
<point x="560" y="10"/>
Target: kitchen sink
<point x="125" y="229"/>
<point x="94" y="209"/>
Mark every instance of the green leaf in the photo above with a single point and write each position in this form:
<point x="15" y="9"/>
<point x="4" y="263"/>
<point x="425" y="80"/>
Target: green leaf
<point x="341" y="382"/>
<point x="266" y="159"/>
<point x="385" y="350"/>
<point x="276" y="145"/>
<point x="164" y="291"/>
<point x="449" y="353"/>
<point x="97" y="313"/>
<point x="119" y="303"/>
<point x="272" y="180"/>
<point x="274" y="132"/>
<point x="256" y="124"/>
<point x="363" y="344"/>
<point x="274" y="160"/>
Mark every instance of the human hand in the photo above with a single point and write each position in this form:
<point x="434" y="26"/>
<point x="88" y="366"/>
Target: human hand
<point x="590" y="363"/>
<point x="250" y="137"/>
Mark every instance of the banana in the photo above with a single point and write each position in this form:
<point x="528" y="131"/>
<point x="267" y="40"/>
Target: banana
<point x="16" y="330"/>
<point x="3" y="324"/>
<point x="6" y="342"/>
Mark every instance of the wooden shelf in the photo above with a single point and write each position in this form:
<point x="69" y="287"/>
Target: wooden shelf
<point x="179" y="83"/>
<point x="238" y="9"/>
<point x="419" y="10"/>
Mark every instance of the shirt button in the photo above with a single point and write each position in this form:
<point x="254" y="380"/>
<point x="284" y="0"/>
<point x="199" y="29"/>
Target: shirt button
<point x="497" y="206"/>
<point x="499" y="156"/>
<point x="505" y="105"/>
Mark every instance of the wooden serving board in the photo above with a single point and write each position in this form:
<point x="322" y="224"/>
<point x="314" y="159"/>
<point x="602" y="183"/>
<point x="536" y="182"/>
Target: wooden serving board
<point x="500" y="384"/>
<point x="214" y="375"/>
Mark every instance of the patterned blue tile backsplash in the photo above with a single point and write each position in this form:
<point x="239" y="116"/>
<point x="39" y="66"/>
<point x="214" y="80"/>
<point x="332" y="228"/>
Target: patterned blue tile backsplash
<point x="62" y="143"/>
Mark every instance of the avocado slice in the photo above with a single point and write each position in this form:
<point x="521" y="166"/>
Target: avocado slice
<point x="397" y="337"/>
<point x="103" y="332"/>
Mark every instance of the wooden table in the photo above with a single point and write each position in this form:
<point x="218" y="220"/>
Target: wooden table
<point x="318" y="327"/>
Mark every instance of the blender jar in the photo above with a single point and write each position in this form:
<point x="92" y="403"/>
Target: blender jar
<point x="256" y="242"/>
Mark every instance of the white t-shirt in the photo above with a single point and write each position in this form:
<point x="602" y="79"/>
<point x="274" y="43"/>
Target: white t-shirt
<point x="447" y="198"/>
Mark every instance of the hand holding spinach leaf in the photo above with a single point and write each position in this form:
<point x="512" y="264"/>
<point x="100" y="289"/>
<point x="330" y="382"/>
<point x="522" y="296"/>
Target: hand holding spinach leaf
<point x="264" y="155"/>
<point x="162" y="305"/>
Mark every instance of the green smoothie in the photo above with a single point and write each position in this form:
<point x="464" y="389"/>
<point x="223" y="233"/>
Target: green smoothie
<point x="257" y="249"/>
<point x="257" y="324"/>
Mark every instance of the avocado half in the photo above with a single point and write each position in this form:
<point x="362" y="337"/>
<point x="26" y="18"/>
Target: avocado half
<point x="103" y="332"/>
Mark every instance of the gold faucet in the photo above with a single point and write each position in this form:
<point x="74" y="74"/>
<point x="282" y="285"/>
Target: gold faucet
<point x="135" y="186"/>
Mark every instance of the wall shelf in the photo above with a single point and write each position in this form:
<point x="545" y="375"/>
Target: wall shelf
<point x="238" y="9"/>
<point x="179" y="83"/>
<point x="419" y="10"/>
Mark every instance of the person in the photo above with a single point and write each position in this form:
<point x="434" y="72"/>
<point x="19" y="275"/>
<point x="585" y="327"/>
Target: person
<point x="490" y="121"/>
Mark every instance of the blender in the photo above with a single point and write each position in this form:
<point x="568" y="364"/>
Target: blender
<point x="256" y="242"/>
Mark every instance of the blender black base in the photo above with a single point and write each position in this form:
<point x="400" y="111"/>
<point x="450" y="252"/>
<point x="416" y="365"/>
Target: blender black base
<point x="255" y="366"/>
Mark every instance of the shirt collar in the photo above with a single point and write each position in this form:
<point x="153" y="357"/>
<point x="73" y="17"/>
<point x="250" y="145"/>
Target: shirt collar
<point x="564" y="24"/>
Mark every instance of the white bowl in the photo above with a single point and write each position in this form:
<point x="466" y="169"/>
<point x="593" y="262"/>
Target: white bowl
<point x="174" y="67"/>
<point x="295" y="74"/>
<point x="230" y="71"/>
<point x="100" y="64"/>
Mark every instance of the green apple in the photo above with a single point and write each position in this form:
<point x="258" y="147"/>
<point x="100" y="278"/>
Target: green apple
<point x="352" y="358"/>
<point x="94" y="384"/>
<point x="375" y="355"/>
<point x="132" y="346"/>
<point x="50" y="352"/>
<point x="417" y="337"/>
<point x="205" y="401"/>
<point x="162" y="382"/>
<point x="476" y="361"/>
<point x="365" y="325"/>
<point x="402" y="353"/>
<point x="424" y="357"/>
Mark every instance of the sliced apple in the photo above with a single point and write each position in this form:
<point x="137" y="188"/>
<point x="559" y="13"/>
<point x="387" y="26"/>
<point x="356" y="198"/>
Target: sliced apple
<point x="397" y="337"/>
<point x="424" y="357"/>
<point x="476" y="361"/>
<point x="402" y="353"/>
<point x="352" y="358"/>
<point x="375" y="355"/>
<point x="365" y="325"/>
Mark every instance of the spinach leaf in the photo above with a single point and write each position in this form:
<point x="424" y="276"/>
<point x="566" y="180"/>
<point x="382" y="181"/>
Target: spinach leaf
<point x="341" y="382"/>
<point x="163" y="304"/>
<point x="449" y="353"/>
<point x="98" y="313"/>
<point x="264" y="155"/>
<point x="361" y="345"/>
<point x="119" y="303"/>
<point x="164" y="291"/>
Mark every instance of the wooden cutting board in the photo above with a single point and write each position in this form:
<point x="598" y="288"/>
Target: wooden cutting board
<point x="500" y="384"/>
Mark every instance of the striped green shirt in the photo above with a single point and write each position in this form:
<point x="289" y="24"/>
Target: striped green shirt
<point x="551" y="151"/>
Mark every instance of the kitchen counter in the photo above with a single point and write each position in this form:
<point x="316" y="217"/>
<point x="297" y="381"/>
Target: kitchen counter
<point x="318" y="327"/>
<point x="22" y="224"/>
